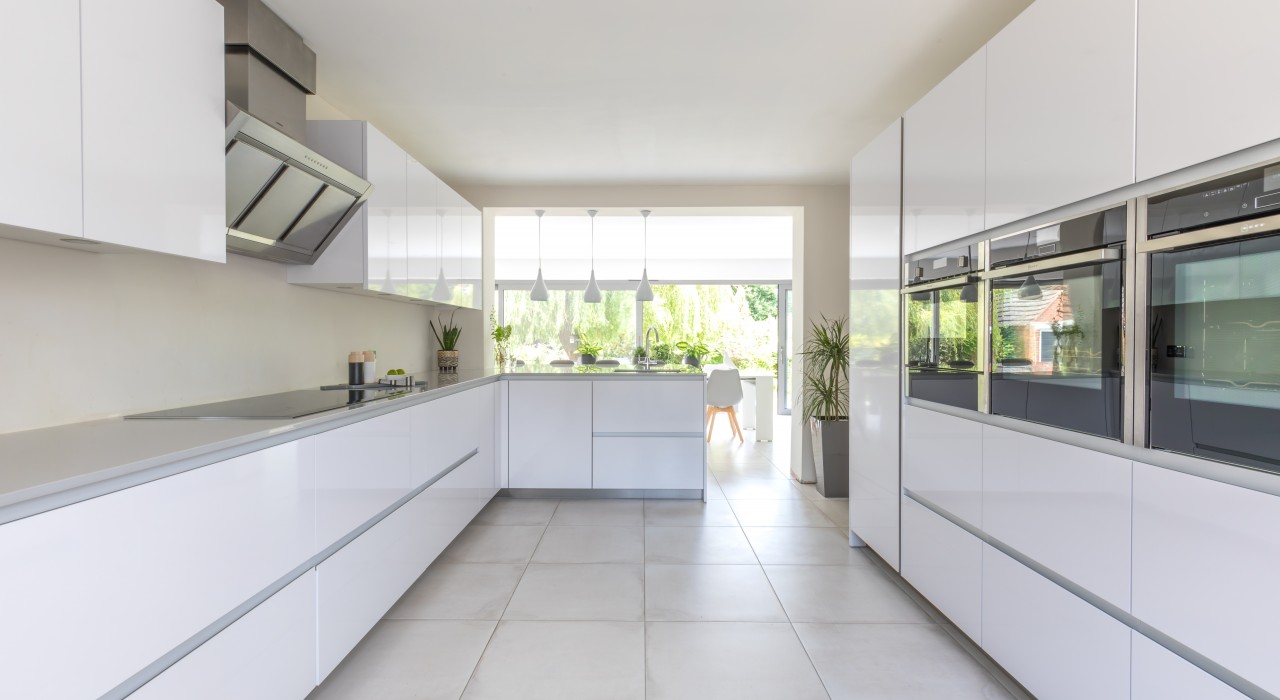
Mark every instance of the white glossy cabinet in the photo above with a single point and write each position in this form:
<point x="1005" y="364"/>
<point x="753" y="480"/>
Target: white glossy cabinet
<point x="942" y="461"/>
<point x="1060" y="106"/>
<point x="269" y="654"/>
<point x="1159" y="674"/>
<point x="944" y="563"/>
<point x="549" y="436"/>
<point x="1058" y="646"/>
<point x="361" y="469"/>
<point x="1206" y="558"/>
<point x="944" y="159"/>
<point x="648" y="406"/>
<point x="875" y="217"/>
<point x="1066" y="507"/>
<point x="424" y="226"/>
<point x="1197" y="97"/>
<point x="40" y="170"/>
<point x="154" y="123"/>
<point x="648" y="463"/>
<point x="115" y="582"/>
<point x="385" y="212"/>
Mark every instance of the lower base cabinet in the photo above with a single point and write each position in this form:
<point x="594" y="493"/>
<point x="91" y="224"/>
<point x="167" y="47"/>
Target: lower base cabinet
<point x="944" y="563"/>
<point x="1159" y="674"/>
<point x="268" y="654"/>
<point x="648" y="463"/>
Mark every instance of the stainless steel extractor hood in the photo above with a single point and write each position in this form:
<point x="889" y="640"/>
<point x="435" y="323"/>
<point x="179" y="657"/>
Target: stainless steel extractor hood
<point x="285" y="202"/>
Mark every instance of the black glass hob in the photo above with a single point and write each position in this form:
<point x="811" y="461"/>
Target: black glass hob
<point x="283" y="406"/>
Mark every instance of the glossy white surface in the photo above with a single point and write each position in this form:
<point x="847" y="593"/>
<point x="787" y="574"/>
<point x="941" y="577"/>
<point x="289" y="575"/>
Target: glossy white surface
<point x="944" y="563"/>
<point x="1060" y="114"/>
<point x="361" y="469"/>
<point x="1178" y="61"/>
<point x="423" y="228"/>
<point x="942" y="461"/>
<point x="549" y="435"/>
<point x="1234" y="534"/>
<point x="117" y="581"/>
<point x="875" y="376"/>
<point x="1159" y="674"/>
<point x="269" y="654"/>
<point x="41" y="174"/>
<point x="1055" y="644"/>
<point x="647" y="407"/>
<point x="386" y="228"/>
<point x="944" y="159"/>
<point x="1063" y="506"/>
<point x="648" y="463"/>
<point x="154" y="128"/>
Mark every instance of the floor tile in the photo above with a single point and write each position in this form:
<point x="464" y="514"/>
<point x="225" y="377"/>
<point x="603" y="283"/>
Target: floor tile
<point x="561" y="661"/>
<point x="728" y="661"/>
<point x="747" y="487"/>
<point x="779" y="513"/>
<point x="600" y="511"/>
<point x="905" y="662"/>
<point x="459" y="592"/>
<point x="579" y="592"/>
<point x="725" y="593"/>
<point x="836" y="510"/>
<point x="517" y="511"/>
<point x="495" y="544"/>
<point x="697" y="545"/>
<point x="804" y="545"/>
<point x="714" y="493"/>
<point x="842" y="594"/>
<point x="584" y="544"/>
<point x="671" y="512"/>
<point x="762" y="470"/>
<point x="409" y="660"/>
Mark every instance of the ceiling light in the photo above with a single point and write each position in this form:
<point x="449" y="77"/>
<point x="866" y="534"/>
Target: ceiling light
<point x="539" y="291"/>
<point x="592" y="294"/>
<point x="645" y="291"/>
<point x="1030" y="289"/>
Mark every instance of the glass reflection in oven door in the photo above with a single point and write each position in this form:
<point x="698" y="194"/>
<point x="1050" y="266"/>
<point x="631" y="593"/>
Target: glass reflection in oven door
<point x="942" y="346"/>
<point x="1056" y="348"/>
<point x="1215" y="352"/>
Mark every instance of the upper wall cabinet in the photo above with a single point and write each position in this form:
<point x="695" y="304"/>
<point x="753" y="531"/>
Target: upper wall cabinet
<point x="1060" y="115"/>
<point x="943" y="159"/>
<point x="410" y="234"/>
<point x="1197" y="98"/>
<point x="121" y="132"/>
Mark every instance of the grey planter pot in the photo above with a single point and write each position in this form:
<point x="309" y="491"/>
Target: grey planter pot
<point x="587" y="359"/>
<point x="831" y="456"/>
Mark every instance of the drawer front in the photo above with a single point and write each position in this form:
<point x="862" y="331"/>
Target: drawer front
<point x="648" y="463"/>
<point x="944" y="563"/>
<point x="942" y="461"/>
<point x="1159" y="674"/>
<point x="361" y="469"/>
<point x="653" y="406"/>
<point x="549" y="434"/>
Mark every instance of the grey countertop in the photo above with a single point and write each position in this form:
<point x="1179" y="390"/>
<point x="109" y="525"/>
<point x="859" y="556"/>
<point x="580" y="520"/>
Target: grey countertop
<point x="49" y="468"/>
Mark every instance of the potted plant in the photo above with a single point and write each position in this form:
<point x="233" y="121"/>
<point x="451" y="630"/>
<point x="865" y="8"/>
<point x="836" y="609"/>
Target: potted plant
<point x="662" y="353"/>
<point x="447" y="340"/>
<point x="693" y="352"/>
<point x="825" y="399"/>
<point x="587" y="351"/>
<point x="639" y="355"/>
<point x="501" y="336"/>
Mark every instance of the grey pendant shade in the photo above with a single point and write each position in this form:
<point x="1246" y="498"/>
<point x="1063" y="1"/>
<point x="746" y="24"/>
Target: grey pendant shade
<point x="539" y="291"/>
<point x="441" y="291"/>
<point x="592" y="294"/>
<point x="969" y="293"/>
<point x="1030" y="289"/>
<point x="645" y="291"/>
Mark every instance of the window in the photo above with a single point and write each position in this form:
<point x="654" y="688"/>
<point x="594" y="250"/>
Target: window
<point x="737" y="322"/>
<point x="1046" y="346"/>
<point x="551" y="330"/>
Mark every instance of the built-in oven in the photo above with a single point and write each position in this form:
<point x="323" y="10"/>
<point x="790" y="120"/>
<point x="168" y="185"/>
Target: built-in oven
<point x="942" y="329"/>
<point x="1057" y="324"/>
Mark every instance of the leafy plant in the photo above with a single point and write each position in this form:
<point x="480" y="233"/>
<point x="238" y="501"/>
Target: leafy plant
<point x="586" y="347"/>
<point x="447" y="336"/>
<point x="639" y="353"/>
<point x="825" y="385"/>
<point x="662" y="352"/>
<point x="500" y="334"/>
<point x="695" y="349"/>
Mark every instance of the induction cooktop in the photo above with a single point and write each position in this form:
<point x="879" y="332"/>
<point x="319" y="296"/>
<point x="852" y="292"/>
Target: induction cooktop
<point x="283" y="406"/>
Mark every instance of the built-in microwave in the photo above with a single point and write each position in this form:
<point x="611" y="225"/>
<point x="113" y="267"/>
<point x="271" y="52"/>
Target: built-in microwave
<point x="942" y="329"/>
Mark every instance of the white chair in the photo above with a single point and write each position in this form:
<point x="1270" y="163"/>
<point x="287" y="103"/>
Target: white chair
<point x="724" y="390"/>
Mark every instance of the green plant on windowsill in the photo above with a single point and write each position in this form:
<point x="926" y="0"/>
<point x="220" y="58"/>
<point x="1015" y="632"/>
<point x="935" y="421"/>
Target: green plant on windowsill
<point x="588" y="351"/>
<point x="693" y="352"/>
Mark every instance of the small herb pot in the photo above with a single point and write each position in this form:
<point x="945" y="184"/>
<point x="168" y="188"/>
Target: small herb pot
<point x="447" y="361"/>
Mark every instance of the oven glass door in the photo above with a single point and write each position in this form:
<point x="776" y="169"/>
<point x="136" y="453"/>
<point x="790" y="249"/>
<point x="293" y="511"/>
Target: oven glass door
<point x="942" y="346"/>
<point x="1215" y="352"/>
<point x="1057" y="348"/>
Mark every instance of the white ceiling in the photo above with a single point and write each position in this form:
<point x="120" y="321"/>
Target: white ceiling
<point x="574" y="92"/>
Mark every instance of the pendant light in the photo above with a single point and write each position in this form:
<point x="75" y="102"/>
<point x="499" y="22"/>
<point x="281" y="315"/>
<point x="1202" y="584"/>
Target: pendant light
<point x="645" y="291"/>
<point x="1030" y="289"/>
<point x="539" y="291"/>
<point x="592" y="294"/>
<point x="442" y="291"/>
<point x="969" y="293"/>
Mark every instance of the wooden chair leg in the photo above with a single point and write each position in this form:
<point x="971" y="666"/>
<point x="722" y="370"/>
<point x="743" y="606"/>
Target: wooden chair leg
<point x="711" y="422"/>
<point x="733" y="421"/>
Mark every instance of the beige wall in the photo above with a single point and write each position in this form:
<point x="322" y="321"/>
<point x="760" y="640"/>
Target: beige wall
<point x="89" y="335"/>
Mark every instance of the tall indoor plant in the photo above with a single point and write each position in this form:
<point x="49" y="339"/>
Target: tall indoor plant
<point x="825" y="399"/>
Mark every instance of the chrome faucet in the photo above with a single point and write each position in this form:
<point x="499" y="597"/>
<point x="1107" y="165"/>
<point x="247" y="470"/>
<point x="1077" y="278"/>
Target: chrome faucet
<point x="648" y="359"/>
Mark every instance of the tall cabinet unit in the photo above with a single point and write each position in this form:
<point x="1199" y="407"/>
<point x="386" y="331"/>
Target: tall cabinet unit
<point x="944" y="159"/>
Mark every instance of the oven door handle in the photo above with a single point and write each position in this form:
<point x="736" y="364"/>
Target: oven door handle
<point x="1061" y="262"/>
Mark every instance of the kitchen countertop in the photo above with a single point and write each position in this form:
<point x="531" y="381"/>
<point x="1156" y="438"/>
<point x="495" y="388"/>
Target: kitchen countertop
<point x="49" y="468"/>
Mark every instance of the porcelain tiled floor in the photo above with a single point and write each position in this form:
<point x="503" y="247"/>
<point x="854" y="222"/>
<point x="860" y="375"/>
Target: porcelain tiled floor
<point x="754" y="594"/>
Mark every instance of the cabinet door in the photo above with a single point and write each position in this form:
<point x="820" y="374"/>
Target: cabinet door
<point x="1059" y="106"/>
<point x="154" y="126"/>
<point x="360" y="470"/>
<point x="470" y="258"/>
<point x="648" y="463"/>
<point x="386" y="167"/>
<point x="944" y="159"/>
<point x="942" y="461"/>
<point x="449" y="205"/>
<point x="549" y="444"/>
<point x="40" y="142"/>
<point x="944" y="563"/>
<point x="116" y="582"/>
<point x="423" y="229"/>
<point x="648" y="406"/>
<point x="269" y="654"/>
<point x="1159" y="674"/>
<point x="1196" y="98"/>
